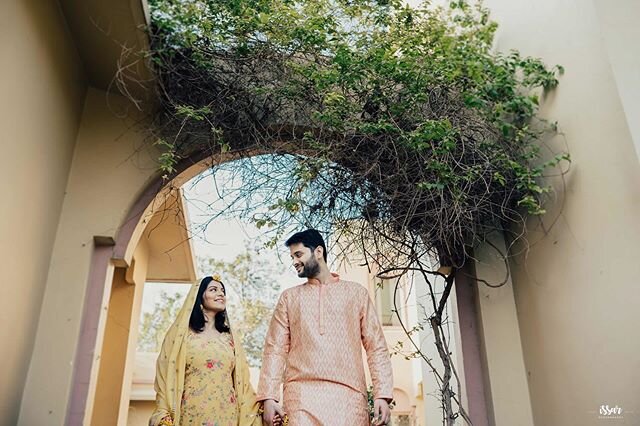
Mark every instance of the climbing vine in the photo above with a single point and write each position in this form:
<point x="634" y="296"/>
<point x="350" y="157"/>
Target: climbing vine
<point x="398" y="128"/>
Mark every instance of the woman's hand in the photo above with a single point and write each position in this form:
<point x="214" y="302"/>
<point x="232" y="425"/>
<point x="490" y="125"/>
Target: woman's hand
<point x="166" y="421"/>
<point x="278" y="421"/>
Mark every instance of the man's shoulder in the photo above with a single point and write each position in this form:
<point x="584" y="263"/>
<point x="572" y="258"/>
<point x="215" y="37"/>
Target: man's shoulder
<point x="354" y="287"/>
<point x="350" y="283"/>
<point x="292" y="290"/>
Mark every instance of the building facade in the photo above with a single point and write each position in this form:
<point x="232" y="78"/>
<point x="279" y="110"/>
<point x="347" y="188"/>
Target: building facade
<point x="554" y="346"/>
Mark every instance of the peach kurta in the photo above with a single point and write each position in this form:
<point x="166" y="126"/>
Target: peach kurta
<point x="315" y="340"/>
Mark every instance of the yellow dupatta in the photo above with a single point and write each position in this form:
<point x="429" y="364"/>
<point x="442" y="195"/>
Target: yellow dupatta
<point x="170" y="370"/>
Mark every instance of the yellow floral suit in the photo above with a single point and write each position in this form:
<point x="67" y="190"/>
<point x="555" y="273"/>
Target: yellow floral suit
<point x="171" y="367"/>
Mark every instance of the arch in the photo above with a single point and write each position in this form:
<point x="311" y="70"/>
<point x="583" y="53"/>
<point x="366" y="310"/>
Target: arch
<point x="109" y="253"/>
<point x="402" y="401"/>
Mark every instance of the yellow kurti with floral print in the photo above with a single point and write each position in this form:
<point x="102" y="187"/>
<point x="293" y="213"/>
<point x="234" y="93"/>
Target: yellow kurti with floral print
<point x="209" y="398"/>
<point x="171" y="369"/>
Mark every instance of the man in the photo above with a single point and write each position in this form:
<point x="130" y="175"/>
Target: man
<point x="315" y="338"/>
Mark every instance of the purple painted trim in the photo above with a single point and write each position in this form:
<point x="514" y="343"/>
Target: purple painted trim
<point x="104" y="250"/>
<point x="133" y="218"/>
<point x="472" y="348"/>
<point x="88" y="334"/>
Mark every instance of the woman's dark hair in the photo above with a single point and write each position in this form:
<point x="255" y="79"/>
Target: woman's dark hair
<point x="309" y="238"/>
<point x="196" y="321"/>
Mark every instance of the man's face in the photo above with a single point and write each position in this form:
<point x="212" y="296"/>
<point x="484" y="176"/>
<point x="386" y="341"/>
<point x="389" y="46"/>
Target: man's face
<point x="304" y="261"/>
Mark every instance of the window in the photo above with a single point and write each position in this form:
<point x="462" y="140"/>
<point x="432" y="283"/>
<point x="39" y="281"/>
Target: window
<point x="384" y="300"/>
<point x="401" y="420"/>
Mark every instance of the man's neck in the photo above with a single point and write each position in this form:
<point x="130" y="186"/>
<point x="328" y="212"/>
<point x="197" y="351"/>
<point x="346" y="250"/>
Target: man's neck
<point x="324" y="276"/>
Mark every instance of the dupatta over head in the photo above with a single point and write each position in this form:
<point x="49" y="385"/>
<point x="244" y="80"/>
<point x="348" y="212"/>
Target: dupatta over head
<point x="171" y="365"/>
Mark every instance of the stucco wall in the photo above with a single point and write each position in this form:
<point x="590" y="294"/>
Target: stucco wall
<point x="574" y="292"/>
<point x="577" y="289"/>
<point x="42" y="86"/>
<point x="618" y="26"/>
<point x="110" y="168"/>
<point x="140" y="412"/>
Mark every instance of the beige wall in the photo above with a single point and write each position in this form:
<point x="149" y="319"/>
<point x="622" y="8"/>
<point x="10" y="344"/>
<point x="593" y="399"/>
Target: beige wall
<point x="619" y="26"/>
<point x="572" y="292"/>
<point x="507" y="388"/>
<point x="576" y="292"/>
<point x="140" y="412"/>
<point x="110" y="168"/>
<point x="42" y="86"/>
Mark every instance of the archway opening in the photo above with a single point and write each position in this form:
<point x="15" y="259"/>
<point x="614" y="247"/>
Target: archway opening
<point x="181" y="235"/>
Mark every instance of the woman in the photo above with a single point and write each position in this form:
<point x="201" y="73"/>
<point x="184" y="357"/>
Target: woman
<point x="202" y="375"/>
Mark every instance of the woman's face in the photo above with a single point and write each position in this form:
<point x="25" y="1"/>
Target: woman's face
<point x="214" y="298"/>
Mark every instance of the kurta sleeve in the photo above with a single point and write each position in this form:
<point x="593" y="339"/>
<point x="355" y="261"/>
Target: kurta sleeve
<point x="276" y="349"/>
<point x="377" y="352"/>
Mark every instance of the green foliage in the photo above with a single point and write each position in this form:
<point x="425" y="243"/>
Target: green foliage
<point x="432" y="124"/>
<point x="253" y="280"/>
<point x="398" y="127"/>
<point x="154" y="325"/>
<point x="167" y="158"/>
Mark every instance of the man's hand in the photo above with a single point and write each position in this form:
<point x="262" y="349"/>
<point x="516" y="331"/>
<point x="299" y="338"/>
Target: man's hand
<point x="273" y="413"/>
<point x="381" y="412"/>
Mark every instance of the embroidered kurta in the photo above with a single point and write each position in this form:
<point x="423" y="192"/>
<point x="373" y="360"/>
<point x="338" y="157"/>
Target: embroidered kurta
<point x="209" y="397"/>
<point x="315" y="341"/>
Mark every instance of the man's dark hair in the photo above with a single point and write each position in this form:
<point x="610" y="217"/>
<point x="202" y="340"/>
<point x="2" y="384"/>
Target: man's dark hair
<point x="309" y="238"/>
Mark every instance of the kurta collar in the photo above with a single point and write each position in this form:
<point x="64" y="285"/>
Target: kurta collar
<point x="334" y="279"/>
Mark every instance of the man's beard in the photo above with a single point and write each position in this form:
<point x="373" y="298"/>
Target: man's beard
<point x="310" y="269"/>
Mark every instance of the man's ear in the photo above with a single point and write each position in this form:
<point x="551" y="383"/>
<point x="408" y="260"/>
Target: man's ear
<point x="318" y="253"/>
